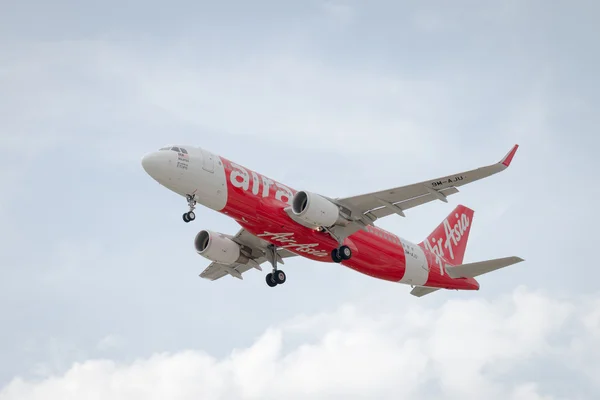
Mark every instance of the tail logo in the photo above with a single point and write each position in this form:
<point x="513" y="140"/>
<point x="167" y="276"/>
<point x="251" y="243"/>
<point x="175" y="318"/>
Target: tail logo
<point x="290" y="243"/>
<point x="453" y="234"/>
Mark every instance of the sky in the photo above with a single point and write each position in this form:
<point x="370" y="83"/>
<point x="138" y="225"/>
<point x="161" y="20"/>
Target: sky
<point x="99" y="289"/>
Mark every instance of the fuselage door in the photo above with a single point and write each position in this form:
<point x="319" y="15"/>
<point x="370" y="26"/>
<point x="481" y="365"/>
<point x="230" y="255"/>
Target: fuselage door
<point x="421" y="257"/>
<point x="415" y="254"/>
<point x="208" y="161"/>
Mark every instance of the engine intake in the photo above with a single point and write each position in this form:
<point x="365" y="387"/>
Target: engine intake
<point x="218" y="248"/>
<point x="315" y="210"/>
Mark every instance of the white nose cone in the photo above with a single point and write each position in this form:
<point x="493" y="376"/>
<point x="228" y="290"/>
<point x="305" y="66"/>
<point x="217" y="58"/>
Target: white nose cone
<point x="153" y="164"/>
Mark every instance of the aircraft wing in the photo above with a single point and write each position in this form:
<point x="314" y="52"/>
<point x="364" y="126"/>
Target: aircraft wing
<point x="257" y="249"/>
<point x="371" y="206"/>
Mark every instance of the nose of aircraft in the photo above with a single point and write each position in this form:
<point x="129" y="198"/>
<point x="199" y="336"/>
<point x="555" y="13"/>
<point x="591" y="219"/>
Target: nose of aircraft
<point x="153" y="164"/>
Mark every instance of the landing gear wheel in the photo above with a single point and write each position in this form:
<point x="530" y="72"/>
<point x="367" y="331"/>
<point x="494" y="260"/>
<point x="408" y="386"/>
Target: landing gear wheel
<point x="270" y="281"/>
<point x="340" y="254"/>
<point x="335" y="256"/>
<point x="279" y="277"/>
<point x="189" y="216"/>
<point x="345" y="252"/>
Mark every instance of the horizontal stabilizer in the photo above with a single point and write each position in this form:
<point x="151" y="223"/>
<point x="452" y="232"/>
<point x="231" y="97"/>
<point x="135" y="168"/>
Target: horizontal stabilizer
<point x="472" y="270"/>
<point x="421" y="291"/>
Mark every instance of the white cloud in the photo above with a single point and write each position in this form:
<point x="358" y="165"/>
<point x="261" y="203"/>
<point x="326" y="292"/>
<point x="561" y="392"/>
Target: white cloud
<point x="461" y="349"/>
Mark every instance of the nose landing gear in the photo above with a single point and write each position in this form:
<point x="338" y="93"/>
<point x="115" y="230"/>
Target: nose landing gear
<point x="190" y="215"/>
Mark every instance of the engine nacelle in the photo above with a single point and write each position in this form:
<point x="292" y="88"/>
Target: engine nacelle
<point x="219" y="248"/>
<point x="315" y="210"/>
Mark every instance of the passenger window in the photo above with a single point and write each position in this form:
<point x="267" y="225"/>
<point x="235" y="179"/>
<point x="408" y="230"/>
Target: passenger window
<point x="165" y="148"/>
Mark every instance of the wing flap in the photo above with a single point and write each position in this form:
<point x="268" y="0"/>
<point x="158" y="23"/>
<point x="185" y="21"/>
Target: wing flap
<point x="216" y="271"/>
<point x="408" y="204"/>
<point x="472" y="270"/>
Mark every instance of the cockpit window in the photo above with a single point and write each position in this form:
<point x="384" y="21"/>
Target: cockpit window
<point x="177" y="149"/>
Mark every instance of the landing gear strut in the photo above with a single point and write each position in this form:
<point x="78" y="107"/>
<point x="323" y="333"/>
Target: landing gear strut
<point x="341" y="253"/>
<point x="277" y="277"/>
<point x="190" y="216"/>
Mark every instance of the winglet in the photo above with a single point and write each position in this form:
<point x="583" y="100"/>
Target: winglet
<point x="508" y="158"/>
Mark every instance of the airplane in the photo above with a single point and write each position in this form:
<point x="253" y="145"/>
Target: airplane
<point x="278" y="222"/>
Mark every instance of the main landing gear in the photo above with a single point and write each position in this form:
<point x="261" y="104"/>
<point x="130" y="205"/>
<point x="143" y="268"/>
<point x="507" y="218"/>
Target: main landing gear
<point x="277" y="277"/>
<point x="190" y="215"/>
<point x="341" y="253"/>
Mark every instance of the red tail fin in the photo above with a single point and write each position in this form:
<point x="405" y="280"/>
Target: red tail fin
<point x="449" y="239"/>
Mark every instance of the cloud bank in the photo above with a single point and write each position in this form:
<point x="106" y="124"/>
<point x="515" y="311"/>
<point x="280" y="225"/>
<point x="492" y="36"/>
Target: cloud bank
<point x="463" y="349"/>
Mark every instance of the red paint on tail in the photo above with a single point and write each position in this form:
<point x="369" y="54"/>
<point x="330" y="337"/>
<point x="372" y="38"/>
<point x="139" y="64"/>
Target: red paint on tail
<point x="449" y="239"/>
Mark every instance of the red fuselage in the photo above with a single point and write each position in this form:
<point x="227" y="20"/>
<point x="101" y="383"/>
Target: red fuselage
<point x="258" y="204"/>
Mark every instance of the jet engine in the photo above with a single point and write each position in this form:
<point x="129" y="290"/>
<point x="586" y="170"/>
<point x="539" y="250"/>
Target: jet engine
<point x="315" y="210"/>
<point x="219" y="248"/>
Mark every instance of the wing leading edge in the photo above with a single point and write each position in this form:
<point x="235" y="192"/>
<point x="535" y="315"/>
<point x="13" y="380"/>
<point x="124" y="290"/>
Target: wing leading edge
<point x="396" y="200"/>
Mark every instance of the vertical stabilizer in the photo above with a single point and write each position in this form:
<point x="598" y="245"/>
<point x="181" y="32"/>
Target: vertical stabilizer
<point x="449" y="239"/>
